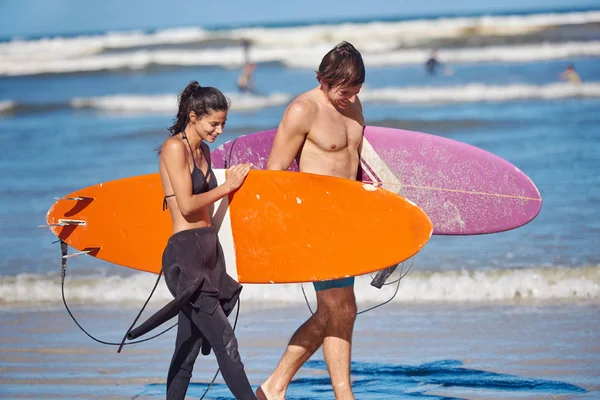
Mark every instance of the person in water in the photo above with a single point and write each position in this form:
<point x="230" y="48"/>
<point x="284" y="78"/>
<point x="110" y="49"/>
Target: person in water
<point x="245" y="81"/>
<point x="570" y="75"/>
<point x="323" y="130"/>
<point x="193" y="261"/>
<point x="432" y="65"/>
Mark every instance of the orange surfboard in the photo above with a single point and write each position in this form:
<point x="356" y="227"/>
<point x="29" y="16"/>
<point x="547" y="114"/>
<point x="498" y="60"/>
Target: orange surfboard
<point x="279" y="227"/>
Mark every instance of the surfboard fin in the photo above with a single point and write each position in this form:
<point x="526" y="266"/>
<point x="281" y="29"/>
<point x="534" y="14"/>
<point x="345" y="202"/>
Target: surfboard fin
<point x="78" y="198"/>
<point x="65" y="222"/>
<point x="382" y="275"/>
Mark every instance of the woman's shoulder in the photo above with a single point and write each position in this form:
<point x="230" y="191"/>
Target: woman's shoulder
<point x="172" y="145"/>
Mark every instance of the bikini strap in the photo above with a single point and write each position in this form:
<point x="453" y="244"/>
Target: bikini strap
<point x="165" y="206"/>
<point x="191" y="151"/>
<point x="205" y="156"/>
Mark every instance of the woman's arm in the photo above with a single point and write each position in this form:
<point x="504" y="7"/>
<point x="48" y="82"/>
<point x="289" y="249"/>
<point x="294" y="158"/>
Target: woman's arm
<point x="174" y="157"/>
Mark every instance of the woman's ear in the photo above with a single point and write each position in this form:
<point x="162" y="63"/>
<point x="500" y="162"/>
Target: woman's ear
<point x="192" y="117"/>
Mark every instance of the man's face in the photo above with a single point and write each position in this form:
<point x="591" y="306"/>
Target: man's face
<point x="342" y="96"/>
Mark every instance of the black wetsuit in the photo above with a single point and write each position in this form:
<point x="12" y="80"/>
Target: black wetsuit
<point x="194" y="269"/>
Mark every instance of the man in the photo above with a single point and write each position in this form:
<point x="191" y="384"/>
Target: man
<point x="323" y="130"/>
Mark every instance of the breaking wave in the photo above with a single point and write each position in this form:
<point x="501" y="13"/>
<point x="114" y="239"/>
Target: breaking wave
<point x="473" y="92"/>
<point x="381" y="42"/>
<point x="419" y="286"/>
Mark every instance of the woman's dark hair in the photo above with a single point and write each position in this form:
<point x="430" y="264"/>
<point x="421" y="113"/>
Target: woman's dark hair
<point x="200" y="100"/>
<point x="342" y="65"/>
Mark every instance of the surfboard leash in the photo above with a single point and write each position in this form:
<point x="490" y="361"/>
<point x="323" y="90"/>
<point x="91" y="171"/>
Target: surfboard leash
<point x="64" y="248"/>
<point x="397" y="281"/>
<point x="378" y="283"/>
<point x="140" y="314"/>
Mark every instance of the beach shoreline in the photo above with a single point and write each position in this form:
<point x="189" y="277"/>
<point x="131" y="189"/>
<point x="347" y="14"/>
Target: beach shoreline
<point x="467" y="352"/>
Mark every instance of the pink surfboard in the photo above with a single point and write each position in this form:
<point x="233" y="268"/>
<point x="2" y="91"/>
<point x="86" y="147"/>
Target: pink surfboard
<point x="463" y="189"/>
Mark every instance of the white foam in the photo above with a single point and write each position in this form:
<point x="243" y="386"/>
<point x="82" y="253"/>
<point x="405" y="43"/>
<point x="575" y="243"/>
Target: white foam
<point x="58" y="47"/>
<point x="362" y="34"/>
<point x="167" y="103"/>
<point x="503" y="54"/>
<point x="475" y="92"/>
<point x="300" y="57"/>
<point x="480" y="92"/>
<point x="6" y="105"/>
<point x="381" y="43"/>
<point x="548" y="283"/>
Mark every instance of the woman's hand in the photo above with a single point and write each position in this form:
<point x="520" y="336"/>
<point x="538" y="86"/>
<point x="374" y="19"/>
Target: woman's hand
<point x="236" y="174"/>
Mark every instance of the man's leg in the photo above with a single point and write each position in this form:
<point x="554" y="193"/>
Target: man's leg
<point x="309" y="337"/>
<point x="304" y="342"/>
<point x="337" y="344"/>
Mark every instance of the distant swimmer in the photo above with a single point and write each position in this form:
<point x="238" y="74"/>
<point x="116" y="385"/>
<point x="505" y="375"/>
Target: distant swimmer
<point x="433" y="64"/>
<point x="246" y="45"/>
<point x="245" y="81"/>
<point x="570" y="75"/>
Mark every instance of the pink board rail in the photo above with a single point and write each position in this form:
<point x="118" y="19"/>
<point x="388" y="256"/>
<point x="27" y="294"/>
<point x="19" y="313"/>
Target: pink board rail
<point x="463" y="189"/>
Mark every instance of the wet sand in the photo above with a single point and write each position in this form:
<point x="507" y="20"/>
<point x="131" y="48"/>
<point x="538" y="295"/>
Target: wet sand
<point x="400" y="351"/>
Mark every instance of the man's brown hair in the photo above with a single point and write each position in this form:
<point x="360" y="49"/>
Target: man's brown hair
<point x="342" y="66"/>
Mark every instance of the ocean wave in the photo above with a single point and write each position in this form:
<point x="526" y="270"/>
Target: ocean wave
<point x="403" y="32"/>
<point x="496" y="285"/>
<point x="6" y="106"/>
<point x="375" y="55"/>
<point x="499" y="54"/>
<point x="475" y="92"/>
<point x="168" y="103"/>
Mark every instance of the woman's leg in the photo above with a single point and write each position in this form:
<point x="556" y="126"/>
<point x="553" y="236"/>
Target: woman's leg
<point x="187" y="346"/>
<point x="217" y="330"/>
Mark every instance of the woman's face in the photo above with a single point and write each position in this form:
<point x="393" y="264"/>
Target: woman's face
<point x="209" y="126"/>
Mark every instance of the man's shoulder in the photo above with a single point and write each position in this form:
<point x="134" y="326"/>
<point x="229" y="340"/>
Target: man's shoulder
<point x="303" y="106"/>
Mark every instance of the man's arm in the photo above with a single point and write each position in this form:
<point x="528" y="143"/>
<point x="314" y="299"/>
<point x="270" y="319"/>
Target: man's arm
<point x="291" y="134"/>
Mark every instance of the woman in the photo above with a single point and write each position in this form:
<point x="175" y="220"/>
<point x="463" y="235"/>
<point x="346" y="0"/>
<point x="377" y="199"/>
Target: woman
<point x="193" y="262"/>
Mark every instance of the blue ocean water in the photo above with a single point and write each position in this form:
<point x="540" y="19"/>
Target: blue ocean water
<point x="90" y="107"/>
<point x="79" y="110"/>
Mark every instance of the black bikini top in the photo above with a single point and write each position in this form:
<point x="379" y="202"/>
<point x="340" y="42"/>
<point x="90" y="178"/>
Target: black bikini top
<point x="200" y="182"/>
